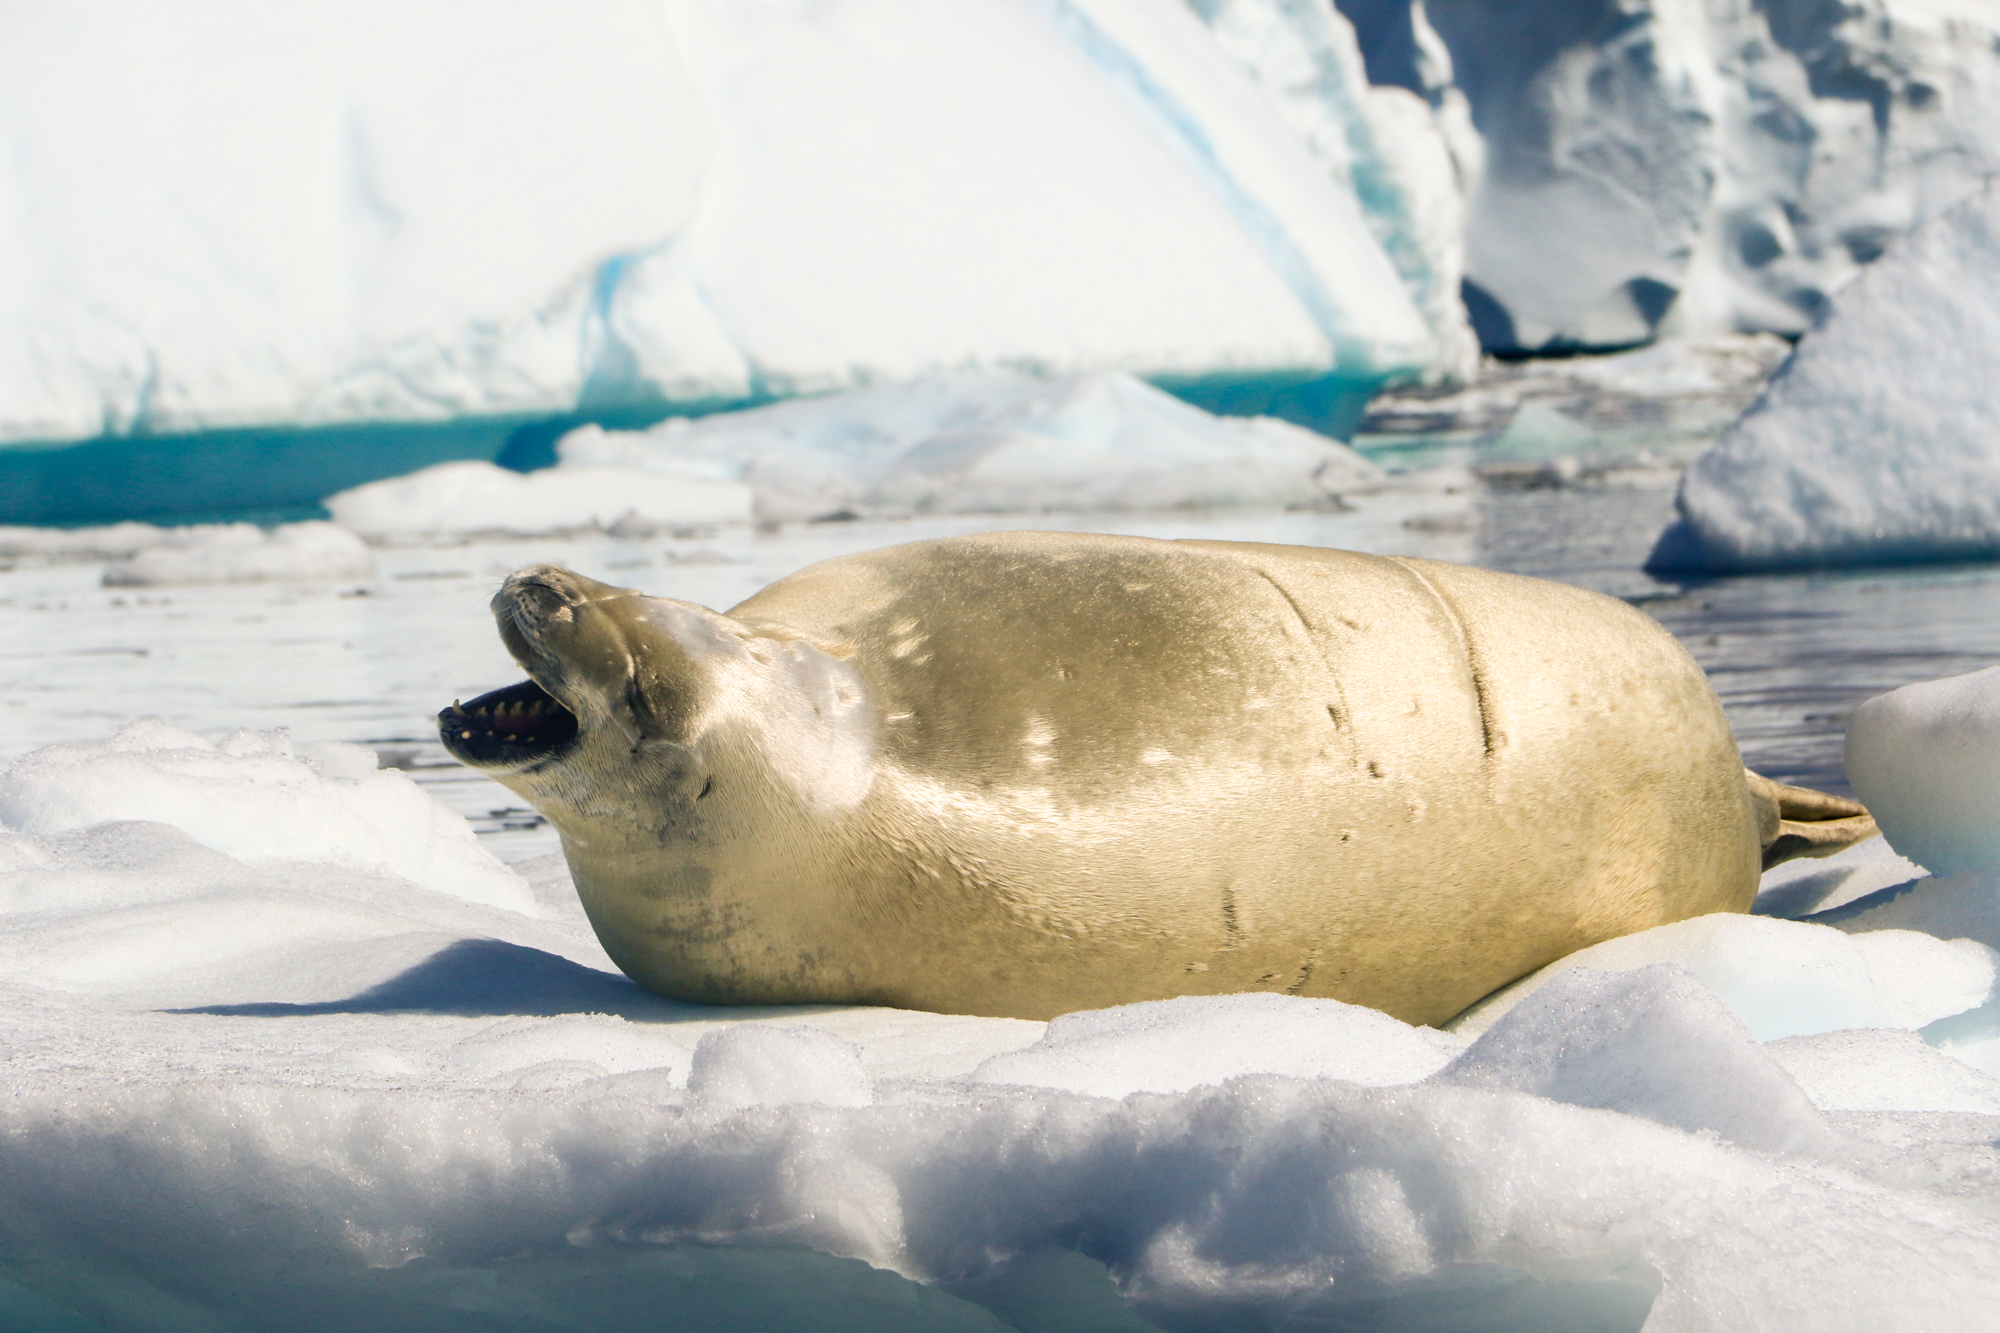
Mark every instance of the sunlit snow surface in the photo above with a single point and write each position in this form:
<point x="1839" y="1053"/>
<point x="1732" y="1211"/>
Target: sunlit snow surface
<point x="285" y="1084"/>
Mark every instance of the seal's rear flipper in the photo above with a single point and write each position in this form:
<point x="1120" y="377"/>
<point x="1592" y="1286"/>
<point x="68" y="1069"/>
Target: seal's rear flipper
<point x="1798" y="821"/>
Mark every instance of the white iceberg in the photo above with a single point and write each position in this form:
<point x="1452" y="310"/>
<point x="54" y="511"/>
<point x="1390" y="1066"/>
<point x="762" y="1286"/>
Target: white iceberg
<point x="1689" y="166"/>
<point x="244" y="553"/>
<point x="979" y="444"/>
<point x="334" y="212"/>
<point x="1879" y="440"/>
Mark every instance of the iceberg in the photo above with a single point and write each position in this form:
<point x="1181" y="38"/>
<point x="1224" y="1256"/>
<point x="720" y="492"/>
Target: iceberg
<point x="1876" y="441"/>
<point x="1688" y="166"/>
<point x="228" y="217"/>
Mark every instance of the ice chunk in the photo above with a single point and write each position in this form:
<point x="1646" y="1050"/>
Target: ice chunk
<point x="773" y="1066"/>
<point x="1925" y="760"/>
<point x="1881" y="1070"/>
<point x="1173" y="1045"/>
<point x="1784" y="978"/>
<point x="257" y="794"/>
<point x="983" y="444"/>
<point x="479" y="497"/>
<point x="242" y="553"/>
<point x="1652" y="1042"/>
<point x="1877" y="440"/>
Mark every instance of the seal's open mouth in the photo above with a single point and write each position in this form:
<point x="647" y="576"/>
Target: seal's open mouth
<point x="514" y="725"/>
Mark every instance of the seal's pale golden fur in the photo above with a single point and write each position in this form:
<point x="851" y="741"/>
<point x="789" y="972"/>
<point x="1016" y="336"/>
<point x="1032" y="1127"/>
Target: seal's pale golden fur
<point x="1028" y="773"/>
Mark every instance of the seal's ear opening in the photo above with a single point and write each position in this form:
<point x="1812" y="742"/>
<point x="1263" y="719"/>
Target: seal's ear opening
<point x="510" y="727"/>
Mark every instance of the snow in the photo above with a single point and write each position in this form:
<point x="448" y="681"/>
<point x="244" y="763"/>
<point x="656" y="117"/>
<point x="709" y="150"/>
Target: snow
<point x="1875" y="441"/>
<point x="334" y="212"/>
<point x="939" y="445"/>
<point x="257" y="795"/>
<point x="284" y="1043"/>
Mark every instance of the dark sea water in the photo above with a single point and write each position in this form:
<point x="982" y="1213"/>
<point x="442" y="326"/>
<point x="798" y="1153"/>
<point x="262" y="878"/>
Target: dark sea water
<point x="1789" y="654"/>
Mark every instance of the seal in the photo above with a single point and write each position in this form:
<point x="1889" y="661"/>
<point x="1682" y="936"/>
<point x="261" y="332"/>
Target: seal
<point x="1026" y="773"/>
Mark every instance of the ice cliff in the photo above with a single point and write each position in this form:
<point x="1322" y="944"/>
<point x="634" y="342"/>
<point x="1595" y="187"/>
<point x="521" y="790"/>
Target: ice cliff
<point x="1695" y="166"/>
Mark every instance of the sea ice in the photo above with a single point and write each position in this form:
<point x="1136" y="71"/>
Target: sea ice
<point x="245" y="553"/>
<point x="262" y="1073"/>
<point x="1876" y="440"/>
<point x="458" y="499"/>
<point x="972" y="444"/>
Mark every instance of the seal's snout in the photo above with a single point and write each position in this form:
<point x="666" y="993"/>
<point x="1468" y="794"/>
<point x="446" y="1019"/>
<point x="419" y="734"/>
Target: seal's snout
<point x="528" y="724"/>
<point x="550" y="592"/>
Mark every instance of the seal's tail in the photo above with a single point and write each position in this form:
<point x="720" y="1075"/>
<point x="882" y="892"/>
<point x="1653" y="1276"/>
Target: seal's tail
<point x="1798" y="821"/>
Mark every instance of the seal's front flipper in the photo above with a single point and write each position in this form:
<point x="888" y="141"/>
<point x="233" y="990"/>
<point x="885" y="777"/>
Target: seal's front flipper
<point x="1798" y="821"/>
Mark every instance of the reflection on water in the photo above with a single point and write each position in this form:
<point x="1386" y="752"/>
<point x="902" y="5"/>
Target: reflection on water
<point x="1790" y="654"/>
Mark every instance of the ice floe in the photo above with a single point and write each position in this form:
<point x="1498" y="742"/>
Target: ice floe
<point x="285" y="1050"/>
<point x="459" y="499"/>
<point x="245" y="553"/>
<point x="987" y="444"/>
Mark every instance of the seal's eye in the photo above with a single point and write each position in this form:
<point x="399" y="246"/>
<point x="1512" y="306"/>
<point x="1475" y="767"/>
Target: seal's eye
<point x="515" y="725"/>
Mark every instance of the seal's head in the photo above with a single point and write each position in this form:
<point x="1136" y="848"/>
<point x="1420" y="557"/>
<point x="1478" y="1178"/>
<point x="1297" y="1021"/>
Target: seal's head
<point x="638" y="708"/>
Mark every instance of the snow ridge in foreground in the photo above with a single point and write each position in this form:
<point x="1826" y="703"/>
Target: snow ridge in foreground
<point x="243" y="1038"/>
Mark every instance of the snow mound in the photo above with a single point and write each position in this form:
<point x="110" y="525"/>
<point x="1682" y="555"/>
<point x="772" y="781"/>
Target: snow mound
<point x="333" y="212"/>
<point x="1174" y="1045"/>
<point x="981" y="444"/>
<point x="257" y="795"/>
<point x="1878" y="440"/>
<point x="470" y="497"/>
<point x="244" y="553"/>
<point x="1652" y="1042"/>
<point x="1787" y="978"/>
<point x="769" y="1066"/>
<point x="1925" y="759"/>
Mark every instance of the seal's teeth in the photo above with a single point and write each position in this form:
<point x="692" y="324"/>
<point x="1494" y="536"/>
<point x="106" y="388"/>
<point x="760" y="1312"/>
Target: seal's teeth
<point x="512" y="737"/>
